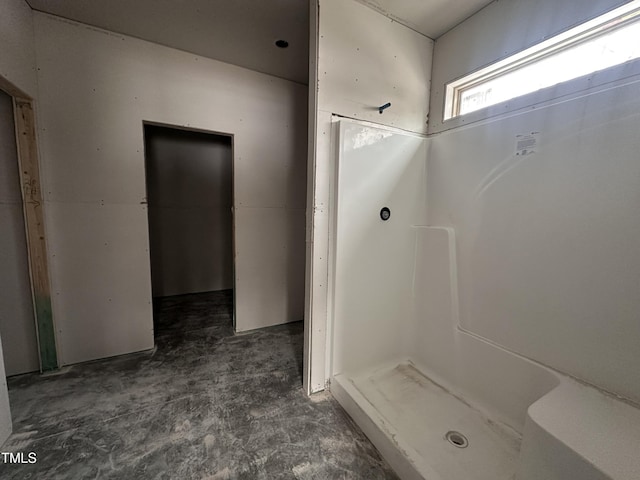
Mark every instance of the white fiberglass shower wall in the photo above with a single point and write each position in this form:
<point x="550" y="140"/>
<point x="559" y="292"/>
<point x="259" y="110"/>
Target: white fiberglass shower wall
<point x="395" y="316"/>
<point x="378" y="168"/>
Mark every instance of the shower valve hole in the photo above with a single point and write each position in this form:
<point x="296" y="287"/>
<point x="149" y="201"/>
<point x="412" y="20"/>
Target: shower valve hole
<point x="457" y="439"/>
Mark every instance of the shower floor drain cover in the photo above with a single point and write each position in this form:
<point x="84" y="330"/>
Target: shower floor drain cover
<point x="457" y="439"/>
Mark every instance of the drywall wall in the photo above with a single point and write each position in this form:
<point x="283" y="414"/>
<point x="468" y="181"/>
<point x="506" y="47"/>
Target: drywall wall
<point x="17" y="66"/>
<point x="17" y="323"/>
<point x="95" y="90"/>
<point x="5" y="411"/>
<point x="501" y="29"/>
<point x="17" y="52"/>
<point x="313" y="355"/>
<point x="548" y="264"/>
<point x="14" y="298"/>
<point x="189" y="194"/>
<point x="364" y="61"/>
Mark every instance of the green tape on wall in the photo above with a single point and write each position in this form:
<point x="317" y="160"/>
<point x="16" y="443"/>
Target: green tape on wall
<point x="46" y="334"/>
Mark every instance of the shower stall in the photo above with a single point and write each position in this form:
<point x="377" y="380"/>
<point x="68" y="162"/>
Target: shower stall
<point x="439" y="401"/>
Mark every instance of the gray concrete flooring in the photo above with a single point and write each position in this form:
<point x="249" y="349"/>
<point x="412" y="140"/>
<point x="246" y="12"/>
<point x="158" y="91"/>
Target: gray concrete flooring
<point x="205" y="404"/>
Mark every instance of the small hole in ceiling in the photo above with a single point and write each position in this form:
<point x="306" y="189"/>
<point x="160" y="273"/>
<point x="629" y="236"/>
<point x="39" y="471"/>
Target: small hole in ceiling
<point x="282" y="43"/>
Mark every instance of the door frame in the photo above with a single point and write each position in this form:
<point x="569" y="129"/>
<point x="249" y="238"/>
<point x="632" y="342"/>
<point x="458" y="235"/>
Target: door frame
<point x="33" y="210"/>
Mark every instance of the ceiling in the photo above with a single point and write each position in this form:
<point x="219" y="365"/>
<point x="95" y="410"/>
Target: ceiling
<point x="429" y="17"/>
<point x="243" y="32"/>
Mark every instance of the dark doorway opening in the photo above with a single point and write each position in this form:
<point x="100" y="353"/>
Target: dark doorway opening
<point x="189" y="178"/>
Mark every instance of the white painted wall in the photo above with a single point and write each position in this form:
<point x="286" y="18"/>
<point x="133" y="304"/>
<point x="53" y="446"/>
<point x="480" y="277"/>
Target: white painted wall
<point x="364" y="60"/>
<point x="17" y="65"/>
<point x="548" y="264"/>
<point x="189" y="194"/>
<point x="17" y="323"/>
<point x="96" y="88"/>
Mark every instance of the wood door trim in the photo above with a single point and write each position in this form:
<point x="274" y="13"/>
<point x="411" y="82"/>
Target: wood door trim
<point x="32" y="205"/>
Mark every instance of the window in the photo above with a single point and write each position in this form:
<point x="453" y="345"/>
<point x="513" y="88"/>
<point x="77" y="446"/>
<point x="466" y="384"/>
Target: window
<point x="606" y="41"/>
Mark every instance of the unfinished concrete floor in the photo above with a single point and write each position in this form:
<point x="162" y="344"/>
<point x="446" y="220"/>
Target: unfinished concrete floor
<point x="206" y="404"/>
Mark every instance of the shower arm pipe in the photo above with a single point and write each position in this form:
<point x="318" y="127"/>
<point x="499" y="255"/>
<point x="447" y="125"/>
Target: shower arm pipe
<point x="382" y="108"/>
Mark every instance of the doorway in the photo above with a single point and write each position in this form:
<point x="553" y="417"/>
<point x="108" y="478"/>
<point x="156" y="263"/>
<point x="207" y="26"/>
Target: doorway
<point x="17" y="325"/>
<point x="189" y="179"/>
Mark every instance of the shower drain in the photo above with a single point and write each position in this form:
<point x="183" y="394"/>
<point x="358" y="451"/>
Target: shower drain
<point x="457" y="439"/>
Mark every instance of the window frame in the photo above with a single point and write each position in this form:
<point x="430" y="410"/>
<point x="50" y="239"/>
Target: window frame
<point x="601" y="25"/>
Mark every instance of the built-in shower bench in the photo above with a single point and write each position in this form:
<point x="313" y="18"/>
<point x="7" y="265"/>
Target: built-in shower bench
<point x="578" y="432"/>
